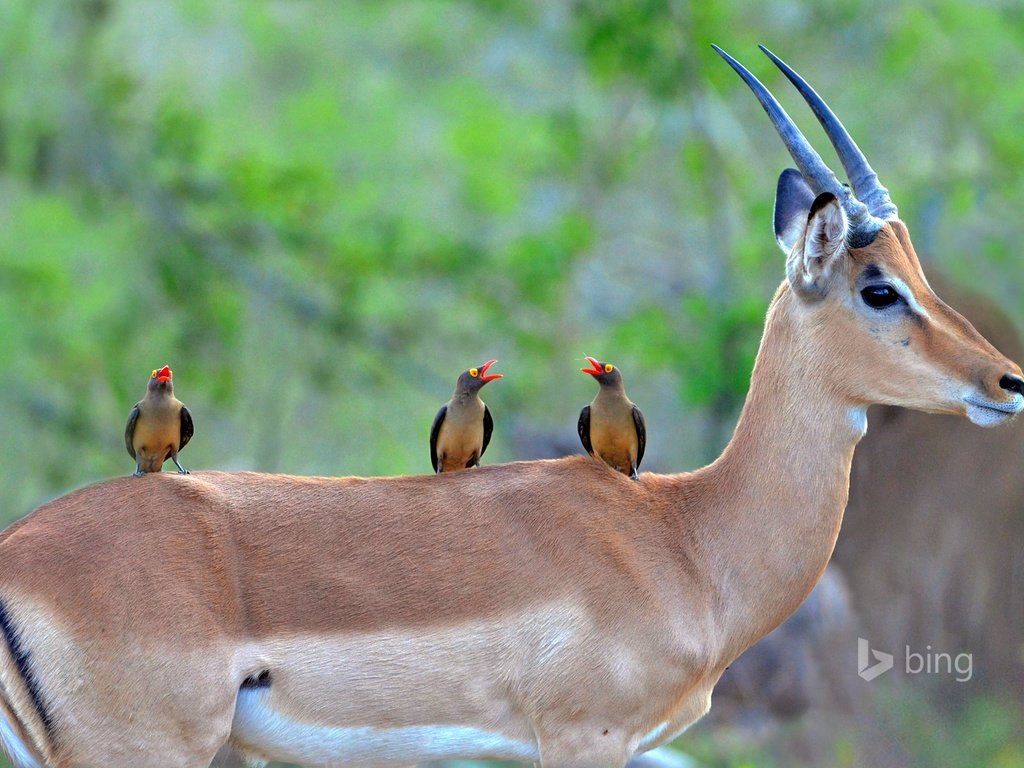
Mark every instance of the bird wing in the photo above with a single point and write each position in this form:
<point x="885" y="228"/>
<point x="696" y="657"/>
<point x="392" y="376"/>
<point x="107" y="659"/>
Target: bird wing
<point x="583" y="427"/>
<point x="488" y="428"/>
<point x="186" y="428"/>
<point x="129" y="430"/>
<point x="435" y="430"/>
<point x="641" y="434"/>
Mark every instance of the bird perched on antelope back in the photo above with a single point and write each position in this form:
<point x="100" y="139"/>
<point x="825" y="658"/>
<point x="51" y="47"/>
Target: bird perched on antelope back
<point x="611" y="427"/>
<point x="462" y="428"/>
<point x="159" y="426"/>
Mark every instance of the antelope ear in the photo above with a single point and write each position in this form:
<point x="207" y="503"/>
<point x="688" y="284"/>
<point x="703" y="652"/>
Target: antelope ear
<point x="813" y="259"/>
<point x="793" y="198"/>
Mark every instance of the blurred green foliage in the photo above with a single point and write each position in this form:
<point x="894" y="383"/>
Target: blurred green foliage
<point x="319" y="213"/>
<point x="987" y="732"/>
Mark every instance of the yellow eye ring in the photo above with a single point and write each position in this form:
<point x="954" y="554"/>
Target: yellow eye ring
<point x="153" y="375"/>
<point x="473" y="372"/>
<point x="608" y="367"/>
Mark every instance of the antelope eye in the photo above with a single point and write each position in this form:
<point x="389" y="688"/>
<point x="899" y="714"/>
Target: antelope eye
<point x="608" y="367"/>
<point x="879" y="296"/>
<point x="473" y="372"/>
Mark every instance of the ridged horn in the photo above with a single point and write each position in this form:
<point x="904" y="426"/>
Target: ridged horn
<point x="866" y="186"/>
<point x="818" y="175"/>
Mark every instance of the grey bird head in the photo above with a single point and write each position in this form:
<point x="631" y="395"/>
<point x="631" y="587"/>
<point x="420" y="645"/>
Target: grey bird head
<point x="607" y="375"/>
<point x="472" y="380"/>
<point x="160" y="381"/>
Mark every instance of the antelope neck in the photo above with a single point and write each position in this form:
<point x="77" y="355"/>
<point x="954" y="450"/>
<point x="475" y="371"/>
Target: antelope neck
<point x="773" y="502"/>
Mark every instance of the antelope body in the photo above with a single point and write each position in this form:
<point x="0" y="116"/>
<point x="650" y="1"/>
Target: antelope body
<point x="553" y="612"/>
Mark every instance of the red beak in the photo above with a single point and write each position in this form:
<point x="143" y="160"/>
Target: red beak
<point x="596" y="368"/>
<point x="483" y="372"/>
<point x="164" y="374"/>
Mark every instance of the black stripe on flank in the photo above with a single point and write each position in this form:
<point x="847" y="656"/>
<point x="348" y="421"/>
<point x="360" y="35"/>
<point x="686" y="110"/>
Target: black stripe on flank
<point x="22" y="656"/>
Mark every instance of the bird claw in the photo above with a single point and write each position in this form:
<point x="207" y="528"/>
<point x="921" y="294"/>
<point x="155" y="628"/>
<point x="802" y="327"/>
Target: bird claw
<point x="138" y="473"/>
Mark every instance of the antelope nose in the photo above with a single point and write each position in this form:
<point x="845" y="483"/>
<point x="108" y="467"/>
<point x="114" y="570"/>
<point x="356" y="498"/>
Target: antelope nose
<point x="1012" y="382"/>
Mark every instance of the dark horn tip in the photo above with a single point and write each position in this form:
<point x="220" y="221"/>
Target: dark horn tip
<point x="776" y="60"/>
<point x="723" y="54"/>
<point x="786" y="69"/>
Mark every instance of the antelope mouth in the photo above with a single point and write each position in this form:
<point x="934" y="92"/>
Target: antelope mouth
<point x="988" y="413"/>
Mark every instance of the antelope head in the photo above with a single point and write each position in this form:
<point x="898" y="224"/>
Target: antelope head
<point x="861" y="298"/>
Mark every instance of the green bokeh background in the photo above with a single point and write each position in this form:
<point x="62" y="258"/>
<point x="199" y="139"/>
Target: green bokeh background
<point x="319" y="213"/>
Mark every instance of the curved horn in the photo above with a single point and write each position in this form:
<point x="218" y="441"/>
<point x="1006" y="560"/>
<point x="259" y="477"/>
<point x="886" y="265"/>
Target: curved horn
<point x="818" y="175"/>
<point x="866" y="185"/>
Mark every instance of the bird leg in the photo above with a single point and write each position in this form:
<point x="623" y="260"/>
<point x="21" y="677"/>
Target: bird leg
<point x="633" y="473"/>
<point x="138" y="470"/>
<point x="181" y="469"/>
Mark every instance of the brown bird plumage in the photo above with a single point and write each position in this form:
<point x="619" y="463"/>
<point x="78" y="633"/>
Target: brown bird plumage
<point x="462" y="428"/>
<point x="158" y="427"/>
<point x="612" y="428"/>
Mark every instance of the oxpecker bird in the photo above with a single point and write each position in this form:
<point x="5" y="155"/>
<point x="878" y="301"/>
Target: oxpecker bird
<point x="462" y="428"/>
<point x="159" y="426"/>
<point x="611" y="427"/>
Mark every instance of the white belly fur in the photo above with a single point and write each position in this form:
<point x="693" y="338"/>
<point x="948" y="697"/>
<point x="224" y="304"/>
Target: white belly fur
<point x="400" y="697"/>
<point x="428" y="694"/>
<point x="272" y="735"/>
<point x="15" y="747"/>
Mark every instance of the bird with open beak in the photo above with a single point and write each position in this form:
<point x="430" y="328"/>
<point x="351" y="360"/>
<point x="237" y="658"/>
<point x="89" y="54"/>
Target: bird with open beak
<point x="462" y="428"/>
<point x="159" y="426"/>
<point x="612" y="428"/>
